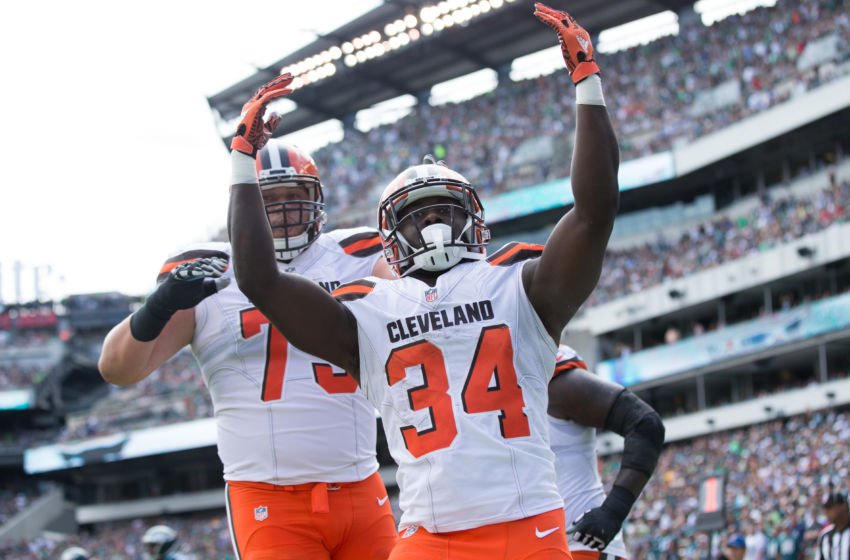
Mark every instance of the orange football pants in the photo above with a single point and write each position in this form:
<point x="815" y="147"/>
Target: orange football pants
<point x="531" y="538"/>
<point x="314" y="521"/>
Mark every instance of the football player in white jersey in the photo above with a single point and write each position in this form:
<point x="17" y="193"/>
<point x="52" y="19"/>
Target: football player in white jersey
<point x="295" y="435"/>
<point x="458" y="352"/>
<point x="579" y="403"/>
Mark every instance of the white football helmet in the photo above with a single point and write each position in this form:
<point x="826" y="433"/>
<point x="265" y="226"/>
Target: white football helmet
<point x="437" y="246"/>
<point x="75" y="553"/>
<point x="286" y="165"/>
<point x="158" y="541"/>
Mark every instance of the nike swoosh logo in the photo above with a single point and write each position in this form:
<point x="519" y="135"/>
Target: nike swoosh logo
<point x="540" y="534"/>
<point x="382" y="501"/>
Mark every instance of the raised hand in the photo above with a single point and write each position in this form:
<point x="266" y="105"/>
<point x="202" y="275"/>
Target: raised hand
<point x="575" y="41"/>
<point x="253" y="131"/>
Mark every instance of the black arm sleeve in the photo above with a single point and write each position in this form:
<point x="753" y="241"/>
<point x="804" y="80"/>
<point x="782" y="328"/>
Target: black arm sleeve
<point x="642" y="429"/>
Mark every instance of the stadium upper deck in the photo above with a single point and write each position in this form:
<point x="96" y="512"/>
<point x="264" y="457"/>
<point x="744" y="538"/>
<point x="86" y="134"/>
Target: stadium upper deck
<point x="500" y="33"/>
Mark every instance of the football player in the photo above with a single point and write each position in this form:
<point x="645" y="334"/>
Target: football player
<point x="159" y="543"/>
<point x="75" y="553"/>
<point x="295" y="434"/>
<point x="579" y="403"/>
<point x="458" y="352"/>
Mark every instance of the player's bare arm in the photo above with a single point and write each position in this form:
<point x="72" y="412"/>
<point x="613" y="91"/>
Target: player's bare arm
<point x="302" y="311"/>
<point x="125" y="360"/>
<point x="583" y="398"/>
<point x="148" y="338"/>
<point x="567" y="271"/>
<point x="383" y="270"/>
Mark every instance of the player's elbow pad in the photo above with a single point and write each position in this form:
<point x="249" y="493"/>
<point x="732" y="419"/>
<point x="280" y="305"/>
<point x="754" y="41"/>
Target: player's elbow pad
<point x="642" y="429"/>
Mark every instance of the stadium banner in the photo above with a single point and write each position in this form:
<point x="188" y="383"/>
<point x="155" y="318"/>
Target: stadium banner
<point x="740" y="339"/>
<point x="555" y="194"/>
<point x="19" y="399"/>
<point x="121" y="446"/>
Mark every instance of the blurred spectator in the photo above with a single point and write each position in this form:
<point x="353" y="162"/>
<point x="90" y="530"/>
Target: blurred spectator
<point x="735" y="549"/>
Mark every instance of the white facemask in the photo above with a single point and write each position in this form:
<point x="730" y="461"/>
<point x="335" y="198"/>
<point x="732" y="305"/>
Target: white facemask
<point x="438" y="257"/>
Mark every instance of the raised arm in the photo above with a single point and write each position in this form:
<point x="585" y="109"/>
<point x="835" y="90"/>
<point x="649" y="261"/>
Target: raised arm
<point x="302" y="311"/>
<point x="567" y="271"/>
<point x="580" y="396"/>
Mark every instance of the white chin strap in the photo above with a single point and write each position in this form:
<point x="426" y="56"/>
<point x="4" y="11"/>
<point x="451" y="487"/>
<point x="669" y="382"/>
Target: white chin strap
<point x="281" y="246"/>
<point x="438" y="256"/>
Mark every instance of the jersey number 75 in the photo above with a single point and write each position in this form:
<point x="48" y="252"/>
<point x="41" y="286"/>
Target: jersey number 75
<point x="251" y="321"/>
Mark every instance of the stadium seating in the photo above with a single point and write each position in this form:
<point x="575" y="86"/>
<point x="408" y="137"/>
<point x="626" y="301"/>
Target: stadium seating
<point x="774" y="483"/>
<point x="664" y="93"/>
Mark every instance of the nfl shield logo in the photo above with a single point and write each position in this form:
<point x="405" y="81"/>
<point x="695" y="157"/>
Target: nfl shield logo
<point x="261" y="512"/>
<point x="290" y="269"/>
<point x="409" y="531"/>
<point x="431" y="294"/>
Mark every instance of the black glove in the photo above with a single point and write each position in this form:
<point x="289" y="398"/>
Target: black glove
<point x="596" y="527"/>
<point x="186" y="286"/>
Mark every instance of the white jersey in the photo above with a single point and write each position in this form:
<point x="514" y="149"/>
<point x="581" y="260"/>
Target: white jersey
<point x="459" y="372"/>
<point x="576" y="464"/>
<point x="283" y="416"/>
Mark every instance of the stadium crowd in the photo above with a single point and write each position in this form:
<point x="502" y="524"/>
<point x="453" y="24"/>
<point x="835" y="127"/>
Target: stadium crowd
<point x="200" y="537"/>
<point x="774" y="487"/>
<point x="774" y="221"/>
<point x="657" y="94"/>
<point x="20" y="377"/>
<point x="18" y="495"/>
<point x="173" y="393"/>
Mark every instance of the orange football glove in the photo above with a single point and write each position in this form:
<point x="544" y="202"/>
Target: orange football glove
<point x="253" y="132"/>
<point x="575" y="41"/>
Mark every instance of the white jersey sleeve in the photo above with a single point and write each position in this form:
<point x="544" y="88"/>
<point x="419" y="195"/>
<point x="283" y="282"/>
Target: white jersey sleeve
<point x="576" y="463"/>
<point x="459" y="372"/>
<point x="283" y="416"/>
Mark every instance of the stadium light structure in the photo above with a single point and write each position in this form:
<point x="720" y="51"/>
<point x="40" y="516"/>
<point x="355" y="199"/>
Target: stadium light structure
<point x="638" y="32"/>
<point x="397" y="34"/>
<point x="712" y="11"/>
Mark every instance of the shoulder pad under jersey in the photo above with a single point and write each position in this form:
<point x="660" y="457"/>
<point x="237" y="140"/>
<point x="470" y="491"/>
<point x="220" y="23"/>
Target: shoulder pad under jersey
<point x="514" y="252"/>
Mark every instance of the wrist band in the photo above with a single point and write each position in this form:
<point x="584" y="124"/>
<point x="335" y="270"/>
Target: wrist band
<point x="243" y="169"/>
<point x="589" y="91"/>
<point x="148" y="321"/>
<point x="619" y="502"/>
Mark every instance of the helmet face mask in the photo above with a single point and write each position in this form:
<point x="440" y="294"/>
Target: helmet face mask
<point x="281" y="165"/>
<point x="410" y="242"/>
